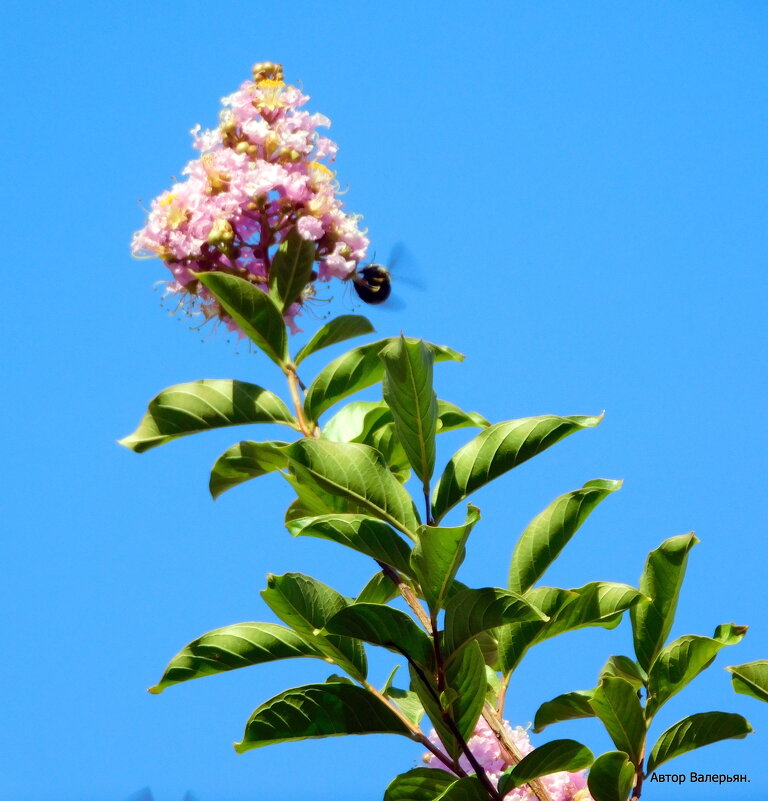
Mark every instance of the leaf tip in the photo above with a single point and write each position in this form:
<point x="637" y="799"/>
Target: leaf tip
<point x="155" y="689"/>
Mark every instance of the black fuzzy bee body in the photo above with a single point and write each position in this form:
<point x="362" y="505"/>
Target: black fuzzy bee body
<point x="373" y="283"/>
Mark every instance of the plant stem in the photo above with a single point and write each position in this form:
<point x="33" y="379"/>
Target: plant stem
<point x="502" y="695"/>
<point x="639" y="776"/>
<point x="493" y="793"/>
<point x="415" y="730"/>
<point x="409" y="596"/>
<point x="428" y="506"/>
<point x="510" y="752"/>
<point x="293" y="386"/>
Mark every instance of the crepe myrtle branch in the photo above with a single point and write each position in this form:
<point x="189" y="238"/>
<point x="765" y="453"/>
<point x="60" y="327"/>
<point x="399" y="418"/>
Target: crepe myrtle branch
<point x="409" y="596"/>
<point x="416" y="732"/>
<point x="510" y="752"/>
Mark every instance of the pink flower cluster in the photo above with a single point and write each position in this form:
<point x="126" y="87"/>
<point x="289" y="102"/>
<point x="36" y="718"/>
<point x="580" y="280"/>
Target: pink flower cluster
<point x="259" y="176"/>
<point x="485" y="747"/>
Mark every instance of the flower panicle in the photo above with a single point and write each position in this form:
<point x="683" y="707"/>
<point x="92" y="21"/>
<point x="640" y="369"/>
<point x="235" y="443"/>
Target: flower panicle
<point x="562" y="786"/>
<point x="261" y="174"/>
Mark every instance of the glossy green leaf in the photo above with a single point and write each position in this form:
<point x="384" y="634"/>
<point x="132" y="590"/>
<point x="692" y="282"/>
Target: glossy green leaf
<point x="319" y="710"/>
<point x="625" y="668"/>
<point x="339" y="329"/>
<point x="551" y="757"/>
<point x="615" y="702"/>
<point x="599" y="603"/>
<point x="549" y="532"/>
<point x="353" y="371"/>
<point x="407" y="702"/>
<point x="465" y="676"/>
<point x="611" y="777"/>
<point x="569" y="706"/>
<point x="696" y="731"/>
<point x="385" y="626"/>
<point x="366" y="535"/>
<point x="450" y="417"/>
<point x="437" y="556"/>
<point x="356" y="473"/>
<point x="387" y="443"/>
<point x="496" y="450"/>
<point x="513" y="640"/>
<point x="419" y="784"/>
<point x="682" y="660"/>
<point x="231" y="647"/>
<point x="244" y="461"/>
<point x="660" y="582"/>
<point x="380" y="589"/>
<point x="464" y="698"/>
<point x="470" y="612"/>
<point x="306" y="604"/>
<point x="407" y="389"/>
<point x="751" y="678"/>
<point x="356" y="421"/>
<point x="291" y="270"/>
<point x="468" y="788"/>
<point x="253" y="310"/>
<point x="204" y="405"/>
<point x="312" y="501"/>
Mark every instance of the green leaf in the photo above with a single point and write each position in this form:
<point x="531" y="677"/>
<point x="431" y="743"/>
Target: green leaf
<point x="751" y="678"/>
<point x="660" y="583"/>
<point x="615" y="702"/>
<point x="366" y="535"/>
<point x="450" y="417"/>
<point x="253" y="310"/>
<point x="569" y="706"/>
<point x="318" y="710"/>
<point x="339" y="329"/>
<point x="625" y="668"/>
<point x="407" y="702"/>
<point x="552" y="757"/>
<point x="419" y="784"/>
<point x="203" y="405"/>
<point x="357" y="473"/>
<point x="470" y="612"/>
<point x="599" y="603"/>
<point x="387" y="443"/>
<point x="498" y="449"/>
<point x="696" y="731"/>
<point x="312" y="501"/>
<point x="356" y="421"/>
<point x="380" y="589"/>
<point x="611" y="777"/>
<point x="353" y="371"/>
<point x="231" y="647"/>
<point x="548" y="533"/>
<point x="682" y="660"/>
<point x="463" y="700"/>
<point x="465" y="676"/>
<point x="437" y="556"/>
<point x="244" y="461"/>
<point x="407" y="388"/>
<point x="291" y="270"/>
<point x="385" y="626"/>
<point x="467" y="789"/>
<point x="306" y="604"/>
<point x="515" y="639"/>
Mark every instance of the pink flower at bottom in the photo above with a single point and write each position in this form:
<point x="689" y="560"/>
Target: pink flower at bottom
<point x="561" y="786"/>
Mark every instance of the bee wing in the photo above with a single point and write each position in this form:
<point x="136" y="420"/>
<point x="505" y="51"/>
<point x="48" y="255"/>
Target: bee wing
<point x="404" y="268"/>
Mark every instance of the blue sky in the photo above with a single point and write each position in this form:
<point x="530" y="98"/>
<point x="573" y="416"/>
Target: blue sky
<point x="582" y="190"/>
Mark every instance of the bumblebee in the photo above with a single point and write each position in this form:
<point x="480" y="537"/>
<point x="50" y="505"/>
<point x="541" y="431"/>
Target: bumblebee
<point x="372" y="283"/>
